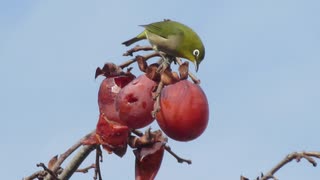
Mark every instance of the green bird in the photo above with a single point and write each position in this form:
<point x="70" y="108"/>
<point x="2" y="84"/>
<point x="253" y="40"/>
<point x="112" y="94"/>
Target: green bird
<point x="173" y="38"/>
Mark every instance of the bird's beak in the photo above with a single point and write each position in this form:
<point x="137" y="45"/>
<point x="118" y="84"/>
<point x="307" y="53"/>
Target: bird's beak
<point x="196" y="64"/>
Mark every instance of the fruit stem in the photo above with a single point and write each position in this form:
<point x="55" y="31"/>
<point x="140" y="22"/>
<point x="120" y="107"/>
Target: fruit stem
<point x="156" y="106"/>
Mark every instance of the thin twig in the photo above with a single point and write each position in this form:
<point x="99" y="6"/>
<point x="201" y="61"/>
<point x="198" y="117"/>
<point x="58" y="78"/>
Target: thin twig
<point x="147" y="57"/>
<point x="86" y="169"/>
<point x="97" y="171"/>
<point x="295" y="155"/>
<point x="179" y="159"/>
<point x="313" y="154"/>
<point x="136" y="49"/>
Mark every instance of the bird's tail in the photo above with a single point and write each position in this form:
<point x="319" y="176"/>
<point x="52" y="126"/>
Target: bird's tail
<point x="131" y="41"/>
<point x="135" y="39"/>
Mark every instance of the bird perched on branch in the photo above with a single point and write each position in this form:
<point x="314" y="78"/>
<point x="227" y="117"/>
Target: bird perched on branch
<point x="174" y="39"/>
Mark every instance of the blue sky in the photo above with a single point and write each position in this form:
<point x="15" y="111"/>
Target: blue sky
<point x="260" y="74"/>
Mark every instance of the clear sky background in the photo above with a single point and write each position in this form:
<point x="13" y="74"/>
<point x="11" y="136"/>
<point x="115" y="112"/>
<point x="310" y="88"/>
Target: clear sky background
<point x="261" y="76"/>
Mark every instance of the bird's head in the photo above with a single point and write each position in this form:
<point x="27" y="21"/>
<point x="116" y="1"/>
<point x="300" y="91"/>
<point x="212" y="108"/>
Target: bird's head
<point x="195" y="53"/>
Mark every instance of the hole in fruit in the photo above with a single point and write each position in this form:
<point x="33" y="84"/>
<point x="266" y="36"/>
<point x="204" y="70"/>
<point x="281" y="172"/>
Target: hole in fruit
<point x="131" y="99"/>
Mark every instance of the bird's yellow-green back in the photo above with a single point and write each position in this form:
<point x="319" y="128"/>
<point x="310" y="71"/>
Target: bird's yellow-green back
<point x="175" y="39"/>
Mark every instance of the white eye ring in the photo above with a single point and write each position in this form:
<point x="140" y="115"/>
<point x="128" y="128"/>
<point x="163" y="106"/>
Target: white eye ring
<point x="196" y="52"/>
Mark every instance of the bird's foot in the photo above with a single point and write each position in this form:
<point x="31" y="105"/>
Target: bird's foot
<point x="164" y="62"/>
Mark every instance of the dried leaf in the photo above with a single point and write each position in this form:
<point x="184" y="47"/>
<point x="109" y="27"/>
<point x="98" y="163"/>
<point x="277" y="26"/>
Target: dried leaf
<point x="52" y="162"/>
<point x="175" y="76"/>
<point x="184" y="70"/>
<point x="109" y="69"/>
<point x="167" y="77"/>
<point x="151" y="72"/>
<point x="147" y="151"/>
<point x="148" y="161"/>
<point x="142" y="63"/>
<point x="147" y="139"/>
<point x="98" y="72"/>
<point x="243" y="178"/>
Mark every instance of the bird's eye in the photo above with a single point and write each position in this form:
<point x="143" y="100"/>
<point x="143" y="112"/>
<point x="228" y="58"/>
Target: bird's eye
<point x="196" y="52"/>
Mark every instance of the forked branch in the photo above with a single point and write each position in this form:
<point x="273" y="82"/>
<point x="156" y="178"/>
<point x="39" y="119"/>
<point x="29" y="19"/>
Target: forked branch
<point x="309" y="156"/>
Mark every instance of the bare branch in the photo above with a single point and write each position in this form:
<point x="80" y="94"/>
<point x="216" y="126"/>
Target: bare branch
<point x="297" y="156"/>
<point x="37" y="175"/>
<point x="147" y="57"/>
<point x="293" y="156"/>
<point x="76" y="161"/>
<point x="136" y="49"/>
<point x="65" y="155"/>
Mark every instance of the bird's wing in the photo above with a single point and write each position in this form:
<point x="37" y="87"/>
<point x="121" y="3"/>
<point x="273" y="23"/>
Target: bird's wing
<point x="163" y="29"/>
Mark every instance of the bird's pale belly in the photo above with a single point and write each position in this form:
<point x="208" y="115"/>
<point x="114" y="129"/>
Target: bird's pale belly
<point x="168" y="46"/>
